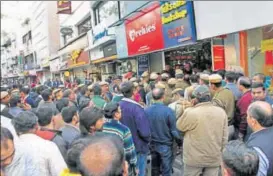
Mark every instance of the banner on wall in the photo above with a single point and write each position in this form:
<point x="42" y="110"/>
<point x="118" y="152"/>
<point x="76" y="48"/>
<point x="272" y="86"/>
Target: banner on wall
<point x="144" y="33"/>
<point x="143" y="64"/>
<point x="218" y="57"/>
<point x="177" y="23"/>
<point x="64" y="7"/>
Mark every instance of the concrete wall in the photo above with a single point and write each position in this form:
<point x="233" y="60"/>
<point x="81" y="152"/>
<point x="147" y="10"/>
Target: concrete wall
<point x="156" y="64"/>
<point x="215" y="18"/>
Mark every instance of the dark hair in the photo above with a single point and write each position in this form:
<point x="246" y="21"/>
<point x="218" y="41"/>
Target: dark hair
<point x="258" y="112"/>
<point x="46" y="94"/>
<point x="14" y="100"/>
<point x="89" y="117"/>
<point x="221" y="73"/>
<point x="217" y="84"/>
<point x="203" y="99"/>
<point x="5" y="135"/>
<point x="60" y="104"/>
<point x="78" y="81"/>
<point x="97" y="89"/>
<point x="245" y="82"/>
<point x="25" y="90"/>
<point x="44" y="115"/>
<point x="110" y="109"/>
<point x="230" y="76"/>
<point x="240" y="159"/>
<point x="40" y="89"/>
<point x="84" y="89"/>
<point x="108" y="144"/>
<point x="67" y="93"/>
<point x="83" y="104"/>
<point x="261" y="76"/>
<point x="256" y="85"/>
<point x="127" y="89"/>
<point x="24" y="122"/>
<point x="194" y="78"/>
<point x="68" y="113"/>
<point x="238" y="75"/>
<point x="179" y="76"/>
<point x="158" y="93"/>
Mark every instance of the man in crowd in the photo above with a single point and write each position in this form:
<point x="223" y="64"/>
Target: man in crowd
<point x="134" y="118"/>
<point x="91" y="121"/>
<point x="71" y="130"/>
<point x="204" y="79"/>
<point x="68" y="93"/>
<point x="47" y="130"/>
<point x="260" y="120"/>
<point x="189" y="90"/>
<point x="259" y="93"/>
<point x="46" y="157"/>
<point x="14" y="161"/>
<point x="145" y="81"/>
<point x="5" y="99"/>
<point x="238" y="159"/>
<point x="258" y="78"/>
<point x="180" y="80"/>
<point x="85" y="94"/>
<point x="97" y="99"/>
<point x="15" y="105"/>
<point x="107" y="96"/>
<point x="223" y="98"/>
<point x="58" y="94"/>
<point x="230" y="84"/>
<point x="48" y="100"/>
<point x="112" y="112"/>
<point x="108" y="154"/>
<point x="25" y="98"/>
<point x="208" y="124"/>
<point x="163" y="129"/>
<point x="170" y="86"/>
<point x="48" y="83"/>
<point x="240" y="123"/>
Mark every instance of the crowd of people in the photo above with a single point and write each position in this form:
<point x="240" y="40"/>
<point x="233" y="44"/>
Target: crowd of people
<point x="221" y="123"/>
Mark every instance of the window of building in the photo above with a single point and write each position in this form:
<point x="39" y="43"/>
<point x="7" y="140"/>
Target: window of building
<point x="107" y="9"/>
<point x="27" y="37"/>
<point x="84" y="26"/>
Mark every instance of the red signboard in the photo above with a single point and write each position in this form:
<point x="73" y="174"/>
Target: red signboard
<point x="144" y="33"/>
<point x="64" y="7"/>
<point x="219" y="57"/>
<point x="78" y="58"/>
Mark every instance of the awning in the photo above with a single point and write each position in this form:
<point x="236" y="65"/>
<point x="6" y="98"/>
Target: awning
<point x="114" y="57"/>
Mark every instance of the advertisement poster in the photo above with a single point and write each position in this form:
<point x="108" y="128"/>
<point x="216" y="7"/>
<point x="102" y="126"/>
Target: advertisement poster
<point x="218" y="57"/>
<point x="64" y="7"/>
<point x="178" y="25"/>
<point x="143" y="64"/>
<point x="144" y="34"/>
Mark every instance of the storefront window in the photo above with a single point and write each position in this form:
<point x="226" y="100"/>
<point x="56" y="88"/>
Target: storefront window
<point x="84" y="26"/>
<point x="105" y="10"/>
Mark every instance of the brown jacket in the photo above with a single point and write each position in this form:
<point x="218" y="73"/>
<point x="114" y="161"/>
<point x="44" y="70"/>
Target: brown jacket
<point x="206" y="134"/>
<point x="181" y="84"/>
<point x="179" y="107"/>
<point x="225" y="99"/>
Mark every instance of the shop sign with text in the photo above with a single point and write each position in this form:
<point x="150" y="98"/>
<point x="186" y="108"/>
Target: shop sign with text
<point x="144" y="34"/>
<point x="177" y="23"/>
<point x="64" y="7"/>
<point x="78" y="58"/>
<point x="143" y="64"/>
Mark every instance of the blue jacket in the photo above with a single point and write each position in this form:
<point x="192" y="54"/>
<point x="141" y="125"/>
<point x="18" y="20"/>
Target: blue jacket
<point x="269" y="100"/>
<point x="235" y="90"/>
<point x="133" y="116"/>
<point x="162" y="124"/>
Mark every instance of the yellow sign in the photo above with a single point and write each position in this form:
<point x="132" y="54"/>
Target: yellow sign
<point x="167" y="7"/>
<point x="66" y="73"/>
<point x="75" y="55"/>
<point x="267" y="45"/>
<point x="61" y="2"/>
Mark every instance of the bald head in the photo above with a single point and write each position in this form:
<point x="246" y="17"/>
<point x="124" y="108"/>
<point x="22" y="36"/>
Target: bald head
<point x="158" y="93"/>
<point x="103" y="156"/>
<point x="262" y="112"/>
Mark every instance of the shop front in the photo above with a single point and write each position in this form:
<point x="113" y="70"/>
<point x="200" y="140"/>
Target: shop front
<point x="55" y="66"/>
<point x="102" y="51"/>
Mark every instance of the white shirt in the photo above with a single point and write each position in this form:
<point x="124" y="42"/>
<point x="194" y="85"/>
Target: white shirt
<point x="6" y="122"/>
<point x="47" y="159"/>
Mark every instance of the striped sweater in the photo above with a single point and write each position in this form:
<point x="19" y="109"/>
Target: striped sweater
<point x="115" y="127"/>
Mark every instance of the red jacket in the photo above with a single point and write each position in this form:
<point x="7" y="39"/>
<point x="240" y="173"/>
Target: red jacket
<point x="241" y="112"/>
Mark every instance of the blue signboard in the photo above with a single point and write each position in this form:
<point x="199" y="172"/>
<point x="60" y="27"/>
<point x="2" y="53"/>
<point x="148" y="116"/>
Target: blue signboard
<point x="143" y="64"/>
<point x="177" y="23"/>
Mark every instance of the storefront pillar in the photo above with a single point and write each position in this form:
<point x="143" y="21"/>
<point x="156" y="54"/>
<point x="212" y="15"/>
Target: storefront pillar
<point x="243" y="51"/>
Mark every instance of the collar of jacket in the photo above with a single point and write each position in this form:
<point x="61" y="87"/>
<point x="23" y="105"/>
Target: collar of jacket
<point x="132" y="101"/>
<point x="203" y="104"/>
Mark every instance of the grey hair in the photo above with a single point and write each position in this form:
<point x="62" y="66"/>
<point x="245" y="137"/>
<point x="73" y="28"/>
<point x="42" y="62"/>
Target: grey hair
<point x="262" y="112"/>
<point x="240" y="159"/>
<point x="24" y="122"/>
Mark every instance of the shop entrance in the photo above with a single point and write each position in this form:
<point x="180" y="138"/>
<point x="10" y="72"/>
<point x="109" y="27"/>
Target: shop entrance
<point x="191" y="58"/>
